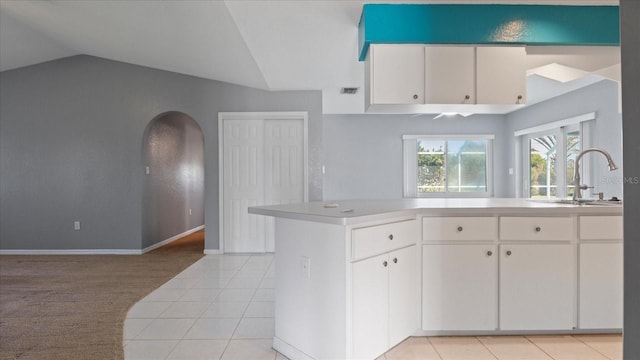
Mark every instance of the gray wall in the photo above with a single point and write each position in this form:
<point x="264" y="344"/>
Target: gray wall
<point x="71" y="145"/>
<point x="630" y="28"/>
<point x="363" y="153"/>
<point x="173" y="200"/>
<point x="602" y="98"/>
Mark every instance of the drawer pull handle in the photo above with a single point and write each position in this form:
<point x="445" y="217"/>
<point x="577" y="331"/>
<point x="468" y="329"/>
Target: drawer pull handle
<point x="415" y="97"/>
<point x="489" y="253"/>
<point x="460" y="229"/>
<point x="508" y="252"/>
<point x="538" y="229"/>
<point x="384" y="263"/>
<point x="395" y="260"/>
<point x="391" y="237"/>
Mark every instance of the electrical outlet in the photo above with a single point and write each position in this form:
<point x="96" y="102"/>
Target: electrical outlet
<point x="76" y="225"/>
<point x="189" y="212"/>
<point x="306" y="267"/>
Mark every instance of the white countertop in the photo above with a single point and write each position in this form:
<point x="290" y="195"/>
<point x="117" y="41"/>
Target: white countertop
<point x="353" y="211"/>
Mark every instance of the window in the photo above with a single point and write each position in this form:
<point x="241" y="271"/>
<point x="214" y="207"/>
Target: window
<point x="447" y="165"/>
<point x="542" y="150"/>
<point x="549" y="154"/>
<point x="573" y="147"/>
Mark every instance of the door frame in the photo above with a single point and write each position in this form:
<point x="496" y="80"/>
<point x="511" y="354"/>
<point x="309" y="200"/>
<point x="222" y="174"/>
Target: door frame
<point x="261" y="115"/>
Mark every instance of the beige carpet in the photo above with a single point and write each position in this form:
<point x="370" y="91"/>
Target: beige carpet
<point x="73" y="307"/>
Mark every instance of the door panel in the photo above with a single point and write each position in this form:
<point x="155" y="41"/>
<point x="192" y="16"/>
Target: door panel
<point x="243" y="185"/>
<point x="537" y="285"/>
<point x="283" y="170"/>
<point x="403" y="294"/>
<point x="601" y="287"/>
<point x="263" y="164"/>
<point x="370" y="307"/>
<point x="459" y="285"/>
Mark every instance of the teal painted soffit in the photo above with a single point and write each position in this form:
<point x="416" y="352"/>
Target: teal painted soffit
<point x="487" y="24"/>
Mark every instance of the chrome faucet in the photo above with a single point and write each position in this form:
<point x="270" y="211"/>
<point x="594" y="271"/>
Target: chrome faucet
<point x="577" y="191"/>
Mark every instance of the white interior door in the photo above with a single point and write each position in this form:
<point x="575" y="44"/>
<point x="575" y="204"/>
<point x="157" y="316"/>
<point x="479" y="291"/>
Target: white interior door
<point x="283" y="168"/>
<point x="263" y="163"/>
<point x="243" y="185"/>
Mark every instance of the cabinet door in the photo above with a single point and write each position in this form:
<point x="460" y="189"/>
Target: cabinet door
<point x="459" y="287"/>
<point x="537" y="285"/>
<point x="501" y="74"/>
<point x="403" y="294"/>
<point x="600" y="286"/>
<point x="397" y="74"/>
<point x="369" y="307"/>
<point x="449" y="75"/>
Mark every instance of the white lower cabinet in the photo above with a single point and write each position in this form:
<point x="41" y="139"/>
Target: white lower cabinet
<point x="600" y="286"/>
<point x="403" y="294"/>
<point x="361" y="294"/>
<point x="370" y="304"/>
<point x="600" y="263"/>
<point x="537" y="286"/>
<point x="459" y="287"/>
<point x="384" y="302"/>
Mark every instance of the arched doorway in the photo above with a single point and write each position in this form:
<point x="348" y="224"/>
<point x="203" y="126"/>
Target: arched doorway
<point x="173" y="179"/>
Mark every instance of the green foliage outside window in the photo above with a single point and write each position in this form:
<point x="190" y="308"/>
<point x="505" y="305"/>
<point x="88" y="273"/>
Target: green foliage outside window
<point x="452" y="166"/>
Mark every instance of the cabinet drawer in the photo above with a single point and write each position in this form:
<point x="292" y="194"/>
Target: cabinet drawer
<point x="459" y="228"/>
<point x="536" y="228"/>
<point x="381" y="238"/>
<point x="601" y="228"/>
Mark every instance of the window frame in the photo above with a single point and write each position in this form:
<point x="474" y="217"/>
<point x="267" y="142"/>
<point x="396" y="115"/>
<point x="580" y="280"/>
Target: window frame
<point x="410" y="165"/>
<point x="583" y="123"/>
<point x="560" y="162"/>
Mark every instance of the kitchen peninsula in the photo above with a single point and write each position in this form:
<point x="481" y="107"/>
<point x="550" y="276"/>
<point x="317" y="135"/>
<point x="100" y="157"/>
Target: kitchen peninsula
<point x="354" y="278"/>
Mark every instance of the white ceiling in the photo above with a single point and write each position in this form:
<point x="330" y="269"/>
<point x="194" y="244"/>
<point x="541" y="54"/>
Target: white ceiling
<point x="265" y="44"/>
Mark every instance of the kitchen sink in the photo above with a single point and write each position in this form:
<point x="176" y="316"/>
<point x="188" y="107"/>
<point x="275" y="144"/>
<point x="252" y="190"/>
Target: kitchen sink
<point x="581" y="202"/>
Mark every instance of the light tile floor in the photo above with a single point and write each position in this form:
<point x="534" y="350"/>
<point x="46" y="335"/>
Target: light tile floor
<point x="221" y="307"/>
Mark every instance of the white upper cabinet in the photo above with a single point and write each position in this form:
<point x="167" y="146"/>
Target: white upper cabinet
<point x="501" y="74"/>
<point x="397" y="74"/>
<point x="449" y="75"/>
<point x="446" y="75"/>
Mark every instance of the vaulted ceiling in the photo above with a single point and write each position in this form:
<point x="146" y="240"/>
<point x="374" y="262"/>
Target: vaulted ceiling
<point x="265" y="44"/>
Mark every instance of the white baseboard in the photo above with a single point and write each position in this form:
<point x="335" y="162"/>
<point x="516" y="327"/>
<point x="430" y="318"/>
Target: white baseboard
<point x="213" y="252"/>
<point x="171" y="239"/>
<point x="102" y="251"/>
<point x="289" y="351"/>
<point x="73" y="252"/>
